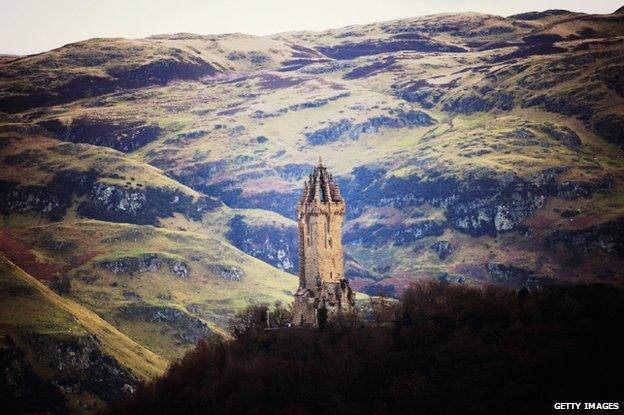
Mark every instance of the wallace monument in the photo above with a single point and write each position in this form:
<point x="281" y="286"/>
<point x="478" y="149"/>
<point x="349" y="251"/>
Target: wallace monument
<point x="323" y="287"/>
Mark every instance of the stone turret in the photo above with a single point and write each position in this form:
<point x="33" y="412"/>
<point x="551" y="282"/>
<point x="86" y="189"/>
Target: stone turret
<point x="322" y="281"/>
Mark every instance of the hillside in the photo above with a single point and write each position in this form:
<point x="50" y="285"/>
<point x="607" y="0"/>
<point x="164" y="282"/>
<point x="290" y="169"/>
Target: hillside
<point x="160" y="175"/>
<point x="62" y="356"/>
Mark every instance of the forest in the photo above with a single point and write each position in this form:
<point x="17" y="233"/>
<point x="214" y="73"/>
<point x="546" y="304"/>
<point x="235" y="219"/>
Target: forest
<point x="448" y="349"/>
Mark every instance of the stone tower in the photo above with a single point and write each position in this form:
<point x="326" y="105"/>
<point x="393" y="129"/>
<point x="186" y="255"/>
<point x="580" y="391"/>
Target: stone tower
<point x="322" y="281"/>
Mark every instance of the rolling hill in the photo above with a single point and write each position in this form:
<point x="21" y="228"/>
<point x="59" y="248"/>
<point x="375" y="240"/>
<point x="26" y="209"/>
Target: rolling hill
<point x="61" y="355"/>
<point x="160" y="175"/>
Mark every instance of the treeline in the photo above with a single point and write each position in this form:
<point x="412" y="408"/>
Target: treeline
<point x="451" y="350"/>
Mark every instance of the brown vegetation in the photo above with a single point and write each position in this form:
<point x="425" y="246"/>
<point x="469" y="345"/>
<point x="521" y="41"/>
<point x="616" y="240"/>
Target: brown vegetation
<point x="452" y="349"/>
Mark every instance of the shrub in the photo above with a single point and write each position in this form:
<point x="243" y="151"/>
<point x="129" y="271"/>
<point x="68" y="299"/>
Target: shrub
<point x="452" y="349"/>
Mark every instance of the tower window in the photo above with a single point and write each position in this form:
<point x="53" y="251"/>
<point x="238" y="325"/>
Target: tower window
<point x="330" y="242"/>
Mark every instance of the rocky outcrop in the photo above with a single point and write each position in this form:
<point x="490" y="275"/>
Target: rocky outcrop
<point x="452" y="278"/>
<point x="355" y="270"/>
<point x="37" y="199"/>
<point x="227" y="272"/>
<point x="399" y="234"/>
<point x="51" y="200"/>
<point x="75" y="365"/>
<point x="514" y="276"/>
<point x="294" y="171"/>
<point x="562" y="134"/>
<point x="483" y="202"/>
<point x="122" y="136"/>
<point x="82" y="365"/>
<point x="275" y="245"/>
<point x="467" y="104"/>
<point x="22" y="389"/>
<point x="345" y="128"/>
<point x="315" y="103"/>
<point x="330" y="133"/>
<point x="443" y="249"/>
<point x="114" y="203"/>
<point x="142" y="206"/>
<point x="420" y="92"/>
<point x="607" y="237"/>
<point x="230" y="192"/>
<point x="380" y="66"/>
<point x="189" y="329"/>
<point x="145" y="263"/>
<point x="57" y="245"/>
<point x="354" y="50"/>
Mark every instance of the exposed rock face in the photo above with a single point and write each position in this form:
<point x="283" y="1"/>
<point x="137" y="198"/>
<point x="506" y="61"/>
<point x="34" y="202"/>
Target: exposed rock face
<point x="33" y="199"/>
<point x="275" y="245"/>
<point x="145" y="263"/>
<point x="77" y="365"/>
<point x="293" y="171"/>
<point x="230" y="194"/>
<point x="22" y="390"/>
<point x="189" y="328"/>
<point x="227" y="272"/>
<point x="420" y="92"/>
<point x="443" y="249"/>
<point x="51" y="200"/>
<point x="452" y="278"/>
<point x="346" y="128"/>
<point x="608" y="237"/>
<point x="331" y="133"/>
<point x="468" y="105"/>
<point x="124" y="137"/>
<point x="103" y="201"/>
<point x="57" y="245"/>
<point x="563" y="134"/>
<point x="82" y="364"/>
<point x="141" y="206"/>
<point x="380" y="234"/>
<point x="482" y="203"/>
<point x="354" y="50"/>
<point x="515" y="276"/>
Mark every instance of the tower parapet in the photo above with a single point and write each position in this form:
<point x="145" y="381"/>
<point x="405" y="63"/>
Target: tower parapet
<point x="322" y="281"/>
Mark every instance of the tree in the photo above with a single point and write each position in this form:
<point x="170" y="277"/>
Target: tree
<point x="321" y="317"/>
<point x="253" y="318"/>
<point x="280" y="316"/>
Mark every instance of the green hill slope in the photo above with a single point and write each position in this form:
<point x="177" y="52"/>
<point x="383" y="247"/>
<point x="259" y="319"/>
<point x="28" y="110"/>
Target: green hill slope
<point x="80" y="359"/>
<point x="470" y="148"/>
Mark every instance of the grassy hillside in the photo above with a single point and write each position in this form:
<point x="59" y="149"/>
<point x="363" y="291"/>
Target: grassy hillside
<point x="56" y="341"/>
<point x="160" y="175"/>
<point x="165" y="281"/>
<point x="162" y="288"/>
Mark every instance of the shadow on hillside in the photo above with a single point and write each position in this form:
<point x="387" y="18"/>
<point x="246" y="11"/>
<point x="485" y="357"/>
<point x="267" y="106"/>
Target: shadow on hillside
<point x="452" y="349"/>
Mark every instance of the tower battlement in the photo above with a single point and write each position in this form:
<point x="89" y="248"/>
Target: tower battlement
<point x="322" y="282"/>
